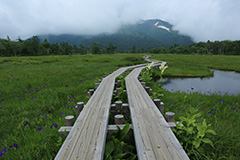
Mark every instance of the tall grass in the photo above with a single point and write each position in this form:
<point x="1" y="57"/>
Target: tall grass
<point x="197" y="65"/>
<point x="36" y="93"/>
<point x="222" y="111"/>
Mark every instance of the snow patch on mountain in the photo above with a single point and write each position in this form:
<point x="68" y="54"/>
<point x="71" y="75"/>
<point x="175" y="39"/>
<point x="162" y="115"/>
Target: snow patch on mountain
<point x="162" y="27"/>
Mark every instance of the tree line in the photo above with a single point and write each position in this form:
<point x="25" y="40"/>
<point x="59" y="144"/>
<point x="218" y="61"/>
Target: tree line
<point x="216" y="47"/>
<point x="34" y="47"/>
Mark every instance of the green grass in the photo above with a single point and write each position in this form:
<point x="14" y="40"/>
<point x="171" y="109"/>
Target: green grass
<point x="197" y="65"/>
<point x="218" y="110"/>
<point x="50" y="85"/>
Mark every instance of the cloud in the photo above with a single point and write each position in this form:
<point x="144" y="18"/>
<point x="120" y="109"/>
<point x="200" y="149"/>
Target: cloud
<point x="202" y="20"/>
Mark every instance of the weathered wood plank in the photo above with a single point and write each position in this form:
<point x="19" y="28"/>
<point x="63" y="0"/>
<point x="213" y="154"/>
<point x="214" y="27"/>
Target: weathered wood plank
<point x="87" y="137"/>
<point x="153" y="136"/>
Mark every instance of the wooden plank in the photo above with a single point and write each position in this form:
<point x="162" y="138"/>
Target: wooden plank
<point x="87" y="137"/>
<point x="153" y="136"/>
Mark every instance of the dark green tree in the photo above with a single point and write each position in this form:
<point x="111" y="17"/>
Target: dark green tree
<point x="133" y="50"/>
<point x="111" y="48"/>
<point x="95" y="49"/>
<point x="83" y="50"/>
<point x="66" y="48"/>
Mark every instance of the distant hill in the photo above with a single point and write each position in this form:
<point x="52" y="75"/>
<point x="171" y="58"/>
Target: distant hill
<point x="145" y="34"/>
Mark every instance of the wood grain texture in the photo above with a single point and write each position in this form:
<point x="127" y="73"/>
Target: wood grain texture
<point x="153" y="137"/>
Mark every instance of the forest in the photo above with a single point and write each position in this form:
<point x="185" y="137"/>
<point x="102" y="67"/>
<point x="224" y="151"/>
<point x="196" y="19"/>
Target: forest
<point x="34" y="47"/>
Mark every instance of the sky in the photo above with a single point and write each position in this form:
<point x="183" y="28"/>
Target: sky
<point x="201" y="19"/>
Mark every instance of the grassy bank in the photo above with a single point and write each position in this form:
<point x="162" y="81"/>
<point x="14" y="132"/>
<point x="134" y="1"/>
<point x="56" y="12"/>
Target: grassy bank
<point x="222" y="111"/>
<point x="197" y="65"/>
<point x="36" y="93"/>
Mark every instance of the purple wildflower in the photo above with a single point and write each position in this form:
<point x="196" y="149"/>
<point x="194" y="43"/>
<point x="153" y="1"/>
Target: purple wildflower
<point x="2" y="99"/>
<point x="46" y="84"/>
<point x="208" y="92"/>
<point x="39" y="114"/>
<point x="54" y="124"/>
<point x="33" y="97"/>
<point x="234" y="108"/>
<point x="50" y="97"/>
<point x="45" y="115"/>
<point x="192" y="88"/>
<point x="211" y="112"/>
<point x="21" y="153"/>
<point x="1" y="107"/>
<point x="26" y="123"/>
<point x="41" y="93"/>
<point x="66" y="85"/>
<point x="222" y="101"/>
<point x="39" y="128"/>
<point x="20" y="98"/>
<point x="72" y="97"/>
<point x="62" y="113"/>
<point x="15" y="145"/>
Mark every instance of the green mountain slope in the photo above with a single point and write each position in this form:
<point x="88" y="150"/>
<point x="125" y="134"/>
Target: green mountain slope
<point x="144" y="34"/>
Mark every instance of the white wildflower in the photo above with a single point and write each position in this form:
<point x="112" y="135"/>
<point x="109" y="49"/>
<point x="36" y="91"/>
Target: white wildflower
<point x="162" y="68"/>
<point x="150" y="65"/>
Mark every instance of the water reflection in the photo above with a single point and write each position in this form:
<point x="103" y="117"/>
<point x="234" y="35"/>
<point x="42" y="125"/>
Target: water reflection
<point x="222" y="82"/>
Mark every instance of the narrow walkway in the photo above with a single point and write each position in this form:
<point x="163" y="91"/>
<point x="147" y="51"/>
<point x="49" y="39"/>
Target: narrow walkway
<point x="153" y="137"/>
<point x="87" y="137"/>
<point x="86" y="140"/>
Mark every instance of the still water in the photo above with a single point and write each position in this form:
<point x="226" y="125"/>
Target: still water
<point x="222" y="82"/>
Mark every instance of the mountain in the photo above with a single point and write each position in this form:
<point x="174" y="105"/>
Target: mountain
<point x="145" y="34"/>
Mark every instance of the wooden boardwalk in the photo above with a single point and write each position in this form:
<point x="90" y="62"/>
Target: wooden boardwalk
<point x="153" y="136"/>
<point x="86" y="140"/>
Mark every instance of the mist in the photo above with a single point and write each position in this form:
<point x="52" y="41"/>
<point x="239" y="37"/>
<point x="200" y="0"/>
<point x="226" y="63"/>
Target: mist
<point x="202" y="20"/>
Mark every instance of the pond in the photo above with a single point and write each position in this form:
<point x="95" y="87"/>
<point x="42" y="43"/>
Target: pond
<point x="222" y="82"/>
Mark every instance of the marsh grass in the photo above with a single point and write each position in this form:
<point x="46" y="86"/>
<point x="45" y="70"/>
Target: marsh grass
<point x="222" y="111"/>
<point x="197" y="65"/>
<point x="36" y="93"/>
<point x="52" y="85"/>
